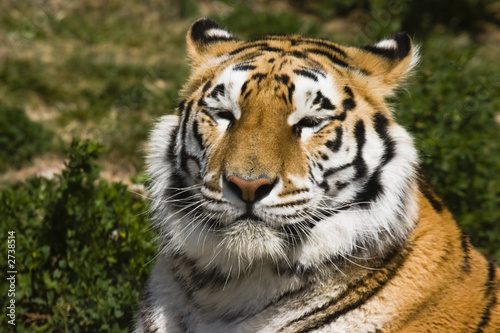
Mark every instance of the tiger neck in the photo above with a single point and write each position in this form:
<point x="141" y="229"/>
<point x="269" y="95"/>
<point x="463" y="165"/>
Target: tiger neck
<point x="219" y="297"/>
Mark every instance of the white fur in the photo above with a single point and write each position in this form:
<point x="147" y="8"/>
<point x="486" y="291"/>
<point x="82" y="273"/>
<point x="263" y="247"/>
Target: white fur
<point x="387" y="44"/>
<point x="250" y="254"/>
<point x="218" y="33"/>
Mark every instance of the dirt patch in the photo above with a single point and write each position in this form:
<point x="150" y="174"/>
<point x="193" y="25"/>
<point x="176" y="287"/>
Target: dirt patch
<point x="48" y="166"/>
<point x="45" y="166"/>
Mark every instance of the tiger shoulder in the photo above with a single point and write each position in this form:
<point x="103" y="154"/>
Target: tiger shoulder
<point x="288" y="199"/>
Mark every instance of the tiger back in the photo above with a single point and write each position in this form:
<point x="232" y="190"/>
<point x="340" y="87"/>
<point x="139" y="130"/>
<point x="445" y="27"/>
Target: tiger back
<point x="287" y="199"/>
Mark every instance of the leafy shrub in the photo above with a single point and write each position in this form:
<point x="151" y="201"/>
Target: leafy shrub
<point x="252" y="23"/>
<point x="82" y="248"/>
<point x="420" y="17"/>
<point x="450" y="109"/>
<point x="330" y="8"/>
<point x="20" y="138"/>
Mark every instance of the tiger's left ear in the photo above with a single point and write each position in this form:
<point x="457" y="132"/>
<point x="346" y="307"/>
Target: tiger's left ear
<point x="391" y="61"/>
<point x="206" y="39"/>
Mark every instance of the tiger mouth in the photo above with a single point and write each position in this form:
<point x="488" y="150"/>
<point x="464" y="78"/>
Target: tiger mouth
<point x="248" y="217"/>
<point x="215" y="224"/>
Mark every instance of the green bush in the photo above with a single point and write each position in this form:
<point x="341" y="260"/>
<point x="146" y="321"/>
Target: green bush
<point x="252" y="23"/>
<point x="450" y="109"/>
<point x="82" y="249"/>
<point x="20" y="138"/>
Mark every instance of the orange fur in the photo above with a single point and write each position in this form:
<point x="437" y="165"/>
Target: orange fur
<point x="411" y="270"/>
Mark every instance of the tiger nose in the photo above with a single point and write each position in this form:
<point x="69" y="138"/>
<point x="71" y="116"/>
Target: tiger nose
<point x="250" y="190"/>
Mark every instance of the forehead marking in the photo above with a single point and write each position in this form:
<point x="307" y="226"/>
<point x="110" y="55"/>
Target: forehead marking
<point x="305" y="73"/>
<point x="315" y="92"/>
<point x="244" y="66"/>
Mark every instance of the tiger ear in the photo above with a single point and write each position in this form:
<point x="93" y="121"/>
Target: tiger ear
<point x="206" y="39"/>
<point x="391" y="60"/>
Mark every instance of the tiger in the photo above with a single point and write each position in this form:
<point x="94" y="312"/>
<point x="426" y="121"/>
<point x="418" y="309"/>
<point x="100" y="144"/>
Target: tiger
<point x="286" y="198"/>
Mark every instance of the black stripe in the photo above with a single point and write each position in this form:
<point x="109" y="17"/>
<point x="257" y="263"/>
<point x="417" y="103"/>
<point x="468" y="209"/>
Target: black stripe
<point x="271" y="49"/>
<point x="177" y="191"/>
<point x="320" y="73"/>
<point x="381" y="124"/>
<point x="348" y="104"/>
<point x="359" y="162"/>
<point x="244" y="87"/>
<point x="358" y="288"/>
<point x="207" y="279"/>
<point x="197" y="135"/>
<point x="284" y="98"/>
<point x="196" y="278"/>
<point x="283" y="63"/>
<point x="326" y="44"/>
<point x="374" y="188"/>
<point x="185" y="119"/>
<point x="208" y="114"/>
<point x="332" y="171"/>
<point x="318" y="98"/>
<point x="293" y="192"/>
<point x="170" y="156"/>
<point x="323" y="101"/>
<point x="326" y="104"/>
<point x="330" y="56"/>
<point x="334" y="145"/>
<point x="340" y="185"/>
<point x="491" y="293"/>
<point x="466" y="250"/>
<point x="247" y="94"/>
<point x="206" y="86"/>
<point x="305" y="73"/>
<point x="341" y="116"/>
<point x="282" y="78"/>
<point x="429" y="194"/>
<point x="201" y="102"/>
<point x="291" y="203"/>
<point x="259" y="76"/>
<point x="291" y="89"/>
<point x="324" y="185"/>
<point x="244" y="67"/>
<point x="297" y="232"/>
<point x="181" y="105"/>
<point x="297" y="54"/>
<point x="219" y="89"/>
<point x="288" y="294"/>
<point x="248" y="46"/>
<point x="146" y="313"/>
<point x="348" y="91"/>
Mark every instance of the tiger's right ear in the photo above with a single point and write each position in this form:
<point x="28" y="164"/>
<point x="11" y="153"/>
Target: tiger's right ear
<point x="206" y="39"/>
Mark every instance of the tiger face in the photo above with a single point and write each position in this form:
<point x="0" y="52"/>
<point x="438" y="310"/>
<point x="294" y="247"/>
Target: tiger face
<point x="288" y="199"/>
<point x="285" y="153"/>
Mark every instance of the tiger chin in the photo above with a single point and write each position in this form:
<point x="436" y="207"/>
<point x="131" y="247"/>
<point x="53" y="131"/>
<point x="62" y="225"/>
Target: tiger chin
<point x="287" y="199"/>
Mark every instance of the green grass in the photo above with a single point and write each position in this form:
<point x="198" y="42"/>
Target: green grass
<point x="82" y="248"/>
<point x="102" y="71"/>
<point x="450" y="109"/>
<point x="21" y="139"/>
<point x="105" y="70"/>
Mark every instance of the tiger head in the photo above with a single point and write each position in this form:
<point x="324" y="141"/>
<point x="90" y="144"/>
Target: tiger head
<point x="284" y="151"/>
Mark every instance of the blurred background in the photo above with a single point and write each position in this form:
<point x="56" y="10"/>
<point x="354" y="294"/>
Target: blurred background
<point x="82" y="82"/>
